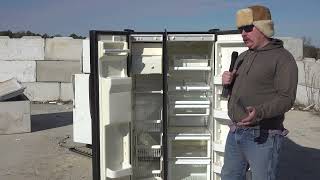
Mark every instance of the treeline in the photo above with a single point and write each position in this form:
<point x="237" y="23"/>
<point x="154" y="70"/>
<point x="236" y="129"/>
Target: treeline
<point x="20" y="34"/>
<point x="310" y="50"/>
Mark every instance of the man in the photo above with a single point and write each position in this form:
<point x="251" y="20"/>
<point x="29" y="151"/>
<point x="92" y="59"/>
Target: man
<point x="264" y="89"/>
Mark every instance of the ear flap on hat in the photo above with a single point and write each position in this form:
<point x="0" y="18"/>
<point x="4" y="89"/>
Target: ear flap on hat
<point x="265" y="26"/>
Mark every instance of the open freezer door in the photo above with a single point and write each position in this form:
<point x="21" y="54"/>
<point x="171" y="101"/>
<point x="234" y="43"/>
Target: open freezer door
<point x="115" y="118"/>
<point x="110" y="105"/>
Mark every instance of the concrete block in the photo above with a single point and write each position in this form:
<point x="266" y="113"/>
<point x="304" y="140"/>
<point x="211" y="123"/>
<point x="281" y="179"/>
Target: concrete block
<point x="41" y="91"/>
<point x="10" y="88"/>
<point x="15" y="115"/>
<point x="309" y="73"/>
<point x="31" y="48"/>
<point x="85" y="63"/>
<point x="63" y="48"/>
<point x="307" y="96"/>
<point x="66" y="92"/>
<point x="23" y="71"/>
<point x="294" y="46"/>
<point x="57" y="71"/>
<point x="301" y="73"/>
<point x="313" y="78"/>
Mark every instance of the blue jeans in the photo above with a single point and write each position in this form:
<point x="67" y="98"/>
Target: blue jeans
<point x="254" y="148"/>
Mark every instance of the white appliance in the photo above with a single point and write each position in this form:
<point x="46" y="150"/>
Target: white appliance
<point x="155" y="103"/>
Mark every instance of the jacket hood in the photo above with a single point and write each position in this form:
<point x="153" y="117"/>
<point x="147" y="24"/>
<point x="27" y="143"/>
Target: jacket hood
<point x="273" y="44"/>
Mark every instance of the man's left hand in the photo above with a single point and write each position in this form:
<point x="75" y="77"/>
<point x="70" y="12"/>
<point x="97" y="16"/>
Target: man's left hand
<point x="250" y="119"/>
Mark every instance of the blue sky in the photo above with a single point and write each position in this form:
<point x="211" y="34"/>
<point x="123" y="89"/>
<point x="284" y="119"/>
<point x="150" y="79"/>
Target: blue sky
<point x="294" y="18"/>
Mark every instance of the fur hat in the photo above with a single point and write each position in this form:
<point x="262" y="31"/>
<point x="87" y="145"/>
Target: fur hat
<point x="259" y="16"/>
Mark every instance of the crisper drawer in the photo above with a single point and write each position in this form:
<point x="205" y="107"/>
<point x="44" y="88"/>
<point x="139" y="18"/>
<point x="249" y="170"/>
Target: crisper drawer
<point x="147" y="170"/>
<point x="188" y="170"/>
<point x="189" y="146"/>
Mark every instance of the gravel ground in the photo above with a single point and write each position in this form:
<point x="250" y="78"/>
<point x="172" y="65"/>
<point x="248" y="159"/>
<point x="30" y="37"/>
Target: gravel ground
<point x="38" y="156"/>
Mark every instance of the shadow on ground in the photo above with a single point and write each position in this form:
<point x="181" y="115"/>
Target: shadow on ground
<point x="298" y="162"/>
<point x="41" y="122"/>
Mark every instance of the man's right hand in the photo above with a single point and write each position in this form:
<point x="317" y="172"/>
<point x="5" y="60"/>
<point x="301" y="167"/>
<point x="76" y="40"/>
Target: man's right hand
<point x="227" y="77"/>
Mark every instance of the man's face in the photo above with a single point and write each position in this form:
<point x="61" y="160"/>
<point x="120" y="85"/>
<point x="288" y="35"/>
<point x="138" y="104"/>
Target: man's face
<point x="252" y="37"/>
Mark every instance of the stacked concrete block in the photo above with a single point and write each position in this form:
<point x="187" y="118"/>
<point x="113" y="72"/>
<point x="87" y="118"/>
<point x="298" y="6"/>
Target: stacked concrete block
<point x="308" y="82"/>
<point x="42" y="91"/>
<point x="15" y="115"/>
<point x="62" y="60"/>
<point x="25" y="49"/>
<point x="23" y="71"/>
<point x="66" y="92"/>
<point x="18" y="56"/>
<point x="308" y="96"/>
<point x="309" y="72"/>
<point x="56" y="71"/>
<point x="63" y="48"/>
<point x="294" y="46"/>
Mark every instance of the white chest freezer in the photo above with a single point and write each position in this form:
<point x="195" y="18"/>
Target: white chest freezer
<point x="155" y="103"/>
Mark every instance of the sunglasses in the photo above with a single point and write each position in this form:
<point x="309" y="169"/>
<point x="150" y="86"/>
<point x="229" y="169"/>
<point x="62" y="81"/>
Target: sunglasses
<point x="246" y="29"/>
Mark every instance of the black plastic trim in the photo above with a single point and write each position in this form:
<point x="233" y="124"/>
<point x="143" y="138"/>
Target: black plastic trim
<point x="227" y="32"/>
<point x="94" y="105"/>
<point x="165" y="68"/>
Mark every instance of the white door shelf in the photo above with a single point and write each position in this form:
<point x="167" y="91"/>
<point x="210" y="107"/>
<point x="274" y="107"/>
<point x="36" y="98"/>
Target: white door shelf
<point x="217" y="167"/>
<point x="218" y="146"/>
<point x="220" y="114"/>
<point x="193" y="88"/>
<point x="192" y="68"/>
